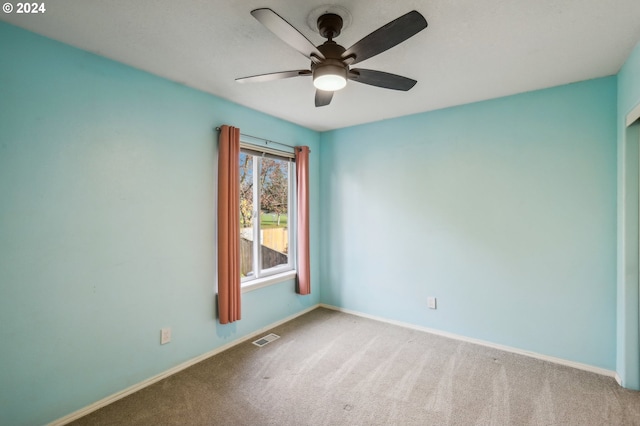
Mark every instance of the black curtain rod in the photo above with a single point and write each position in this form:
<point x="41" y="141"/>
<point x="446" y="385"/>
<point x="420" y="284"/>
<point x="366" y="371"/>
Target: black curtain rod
<point x="263" y="139"/>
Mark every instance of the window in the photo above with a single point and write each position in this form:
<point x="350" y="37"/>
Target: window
<point x="266" y="213"/>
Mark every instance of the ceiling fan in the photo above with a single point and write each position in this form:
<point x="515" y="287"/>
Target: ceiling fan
<point x="330" y="62"/>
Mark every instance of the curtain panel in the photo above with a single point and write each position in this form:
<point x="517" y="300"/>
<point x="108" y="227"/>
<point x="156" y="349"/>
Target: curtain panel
<point x="303" y="278"/>
<point x="229" y="293"/>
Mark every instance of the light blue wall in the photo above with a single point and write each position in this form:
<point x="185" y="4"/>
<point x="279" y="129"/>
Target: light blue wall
<point x="107" y="207"/>
<point x="504" y="210"/>
<point x="628" y="344"/>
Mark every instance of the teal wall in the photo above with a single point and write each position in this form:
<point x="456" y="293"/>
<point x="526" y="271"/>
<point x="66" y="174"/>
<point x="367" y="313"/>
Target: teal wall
<point x="628" y="344"/>
<point x="107" y="222"/>
<point x="504" y="210"/>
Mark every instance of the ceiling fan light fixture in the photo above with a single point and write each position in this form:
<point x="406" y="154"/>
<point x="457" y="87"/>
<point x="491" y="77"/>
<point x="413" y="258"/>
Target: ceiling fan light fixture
<point x="329" y="77"/>
<point x="330" y="61"/>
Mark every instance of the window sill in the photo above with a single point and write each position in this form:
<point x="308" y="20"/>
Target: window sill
<point x="266" y="281"/>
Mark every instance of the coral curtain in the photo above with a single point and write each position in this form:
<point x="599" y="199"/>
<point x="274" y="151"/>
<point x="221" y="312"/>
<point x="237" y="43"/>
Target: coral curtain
<point x="228" y="225"/>
<point x="303" y="281"/>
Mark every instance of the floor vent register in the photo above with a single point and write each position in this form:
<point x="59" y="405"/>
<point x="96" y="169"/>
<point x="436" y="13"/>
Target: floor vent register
<point x="266" y="340"/>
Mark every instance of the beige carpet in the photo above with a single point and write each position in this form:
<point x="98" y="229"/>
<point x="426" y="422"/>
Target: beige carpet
<point x="330" y="368"/>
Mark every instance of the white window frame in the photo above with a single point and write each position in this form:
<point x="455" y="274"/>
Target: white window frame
<point x="260" y="277"/>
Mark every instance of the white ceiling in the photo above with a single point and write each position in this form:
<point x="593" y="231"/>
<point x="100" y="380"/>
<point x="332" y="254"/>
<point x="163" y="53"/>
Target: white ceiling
<point x="472" y="50"/>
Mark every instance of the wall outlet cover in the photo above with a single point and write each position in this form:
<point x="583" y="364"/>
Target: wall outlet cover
<point x="431" y="303"/>
<point x="165" y="335"/>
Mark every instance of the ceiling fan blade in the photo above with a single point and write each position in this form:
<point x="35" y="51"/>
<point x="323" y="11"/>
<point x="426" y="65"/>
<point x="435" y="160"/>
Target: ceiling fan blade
<point x="287" y="33"/>
<point x="273" y="76"/>
<point x="323" y="98"/>
<point x="381" y="79"/>
<point x="384" y="38"/>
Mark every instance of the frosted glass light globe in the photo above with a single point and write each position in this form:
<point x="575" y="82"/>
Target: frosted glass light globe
<point x="330" y="82"/>
<point x="330" y="77"/>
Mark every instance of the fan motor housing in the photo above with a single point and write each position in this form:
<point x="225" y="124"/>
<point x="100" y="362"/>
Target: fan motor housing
<point x="332" y="64"/>
<point x="331" y="50"/>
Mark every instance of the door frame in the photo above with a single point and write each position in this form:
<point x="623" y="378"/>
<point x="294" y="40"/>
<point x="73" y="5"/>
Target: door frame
<point x="628" y="294"/>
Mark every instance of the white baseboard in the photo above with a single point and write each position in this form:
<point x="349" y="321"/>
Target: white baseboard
<point x="560" y="361"/>
<point x="618" y="379"/>
<point x="138" y="386"/>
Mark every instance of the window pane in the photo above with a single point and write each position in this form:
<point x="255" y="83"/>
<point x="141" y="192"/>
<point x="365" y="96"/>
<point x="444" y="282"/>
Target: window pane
<point x="246" y="215"/>
<point x="274" y="212"/>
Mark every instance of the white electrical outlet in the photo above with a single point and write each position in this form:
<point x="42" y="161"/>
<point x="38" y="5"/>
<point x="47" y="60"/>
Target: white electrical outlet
<point x="431" y="303"/>
<point x="165" y="335"/>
